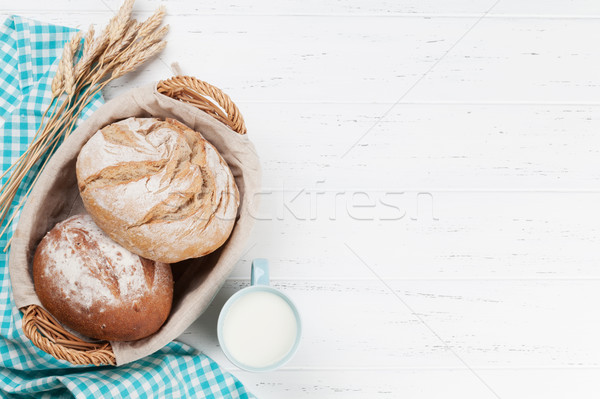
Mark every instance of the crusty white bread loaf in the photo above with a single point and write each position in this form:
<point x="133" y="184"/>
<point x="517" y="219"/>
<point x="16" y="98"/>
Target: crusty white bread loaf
<point x="158" y="188"/>
<point x="98" y="288"/>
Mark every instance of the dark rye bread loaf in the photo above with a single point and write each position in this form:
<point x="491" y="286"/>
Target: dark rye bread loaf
<point x="158" y="188"/>
<point x="98" y="288"/>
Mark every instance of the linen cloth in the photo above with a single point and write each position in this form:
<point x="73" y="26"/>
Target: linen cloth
<point x="55" y="197"/>
<point x="29" y="54"/>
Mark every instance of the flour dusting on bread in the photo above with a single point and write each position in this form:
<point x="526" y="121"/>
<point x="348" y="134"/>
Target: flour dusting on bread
<point x="98" y="288"/>
<point x="143" y="180"/>
<point x="114" y="274"/>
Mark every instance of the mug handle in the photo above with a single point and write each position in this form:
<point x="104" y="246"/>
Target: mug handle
<point x="259" y="274"/>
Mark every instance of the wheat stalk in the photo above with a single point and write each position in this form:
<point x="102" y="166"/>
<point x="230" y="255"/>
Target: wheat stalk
<point x="142" y="45"/>
<point x="122" y="19"/>
<point x="88" y="40"/>
<point x="152" y="23"/>
<point x="96" y="49"/>
<point x="121" y="47"/>
<point x="138" y="59"/>
<point x="58" y="82"/>
<point x="69" y="69"/>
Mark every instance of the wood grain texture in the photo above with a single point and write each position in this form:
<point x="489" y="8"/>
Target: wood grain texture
<point x="426" y="146"/>
<point x="434" y="235"/>
<point x="407" y="8"/>
<point x="430" y="185"/>
<point x="484" y="323"/>
<point x="425" y="384"/>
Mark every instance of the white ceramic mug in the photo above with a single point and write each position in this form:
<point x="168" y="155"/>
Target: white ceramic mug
<point x="259" y="327"/>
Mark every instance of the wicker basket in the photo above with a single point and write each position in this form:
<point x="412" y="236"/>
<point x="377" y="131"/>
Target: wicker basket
<point x="38" y="325"/>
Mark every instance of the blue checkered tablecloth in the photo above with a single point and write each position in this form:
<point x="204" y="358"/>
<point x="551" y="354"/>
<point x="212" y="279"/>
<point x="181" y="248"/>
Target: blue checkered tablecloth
<point x="28" y="60"/>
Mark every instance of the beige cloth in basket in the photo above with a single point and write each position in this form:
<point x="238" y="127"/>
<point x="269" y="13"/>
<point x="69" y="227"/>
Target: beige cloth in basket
<point x="56" y="197"/>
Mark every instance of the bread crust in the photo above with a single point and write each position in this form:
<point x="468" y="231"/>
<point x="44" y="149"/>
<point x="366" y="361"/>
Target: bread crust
<point x="158" y="188"/>
<point x="98" y="288"/>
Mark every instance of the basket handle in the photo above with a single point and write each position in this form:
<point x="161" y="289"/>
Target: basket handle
<point x="199" y="94"/>
<point x="50" y="336"/>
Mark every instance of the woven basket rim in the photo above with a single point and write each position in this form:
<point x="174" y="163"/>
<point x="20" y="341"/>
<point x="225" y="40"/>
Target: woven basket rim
<point x="41" y="327"/>
<point x="205" y="97"/>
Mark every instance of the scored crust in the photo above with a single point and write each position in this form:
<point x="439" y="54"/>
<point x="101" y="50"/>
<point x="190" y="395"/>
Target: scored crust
<point x="158" y="188"/>
<point x="98" y="288"/>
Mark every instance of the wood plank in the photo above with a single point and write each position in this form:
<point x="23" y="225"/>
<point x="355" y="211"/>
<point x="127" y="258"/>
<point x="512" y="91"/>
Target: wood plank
<point x="444" y="235"/>
<point x="425" y="384"/>
<point x="426" y="146"/>
<point x="548" y="9"/>
<point x="511" y="323"/>
<point x="361" y="324"/>
<point x="372" y="384"/>
<point x="522" y="60"/>
<point x="530" y="62"/>
<point x="265" y="7"/>
<point x="504" y="8"/>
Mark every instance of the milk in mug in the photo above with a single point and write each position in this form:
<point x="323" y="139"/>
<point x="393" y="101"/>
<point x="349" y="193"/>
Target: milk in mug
<point x="259" y="329"/>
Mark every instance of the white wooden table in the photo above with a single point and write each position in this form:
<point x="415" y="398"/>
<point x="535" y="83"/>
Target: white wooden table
<point x="431" y="185"/>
